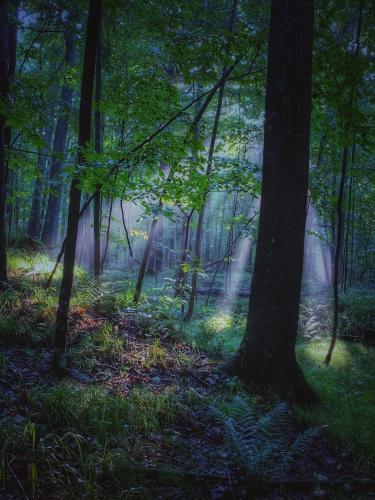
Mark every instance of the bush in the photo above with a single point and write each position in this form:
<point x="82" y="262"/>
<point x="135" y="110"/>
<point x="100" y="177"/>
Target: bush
<point x="357" y="309"/>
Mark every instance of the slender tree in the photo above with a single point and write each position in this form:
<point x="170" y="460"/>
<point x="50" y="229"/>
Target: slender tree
<point x="266" y="356"/>
<point x="340" y="215"/>
<point x="34" y="224"/>
<point x="199" y="231"/>
<point x="87" y="87"/>
<point x="98" y="147"/>
<point x="4" y="89"/>
<point x="50" y="228"/>
<point x="12" y="30"/>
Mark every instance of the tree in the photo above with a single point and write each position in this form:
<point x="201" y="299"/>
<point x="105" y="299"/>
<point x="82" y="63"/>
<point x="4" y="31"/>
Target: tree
<point x="4" y="89"/>
<point x="87" y="86"/>
<point x="98" y="147"/>
<point x="338" y="259"/>
<point x="34" y="224"/>
<point x="49" y="232"/>
<point x="267" y="356"/>
<point x="199" y="231"/>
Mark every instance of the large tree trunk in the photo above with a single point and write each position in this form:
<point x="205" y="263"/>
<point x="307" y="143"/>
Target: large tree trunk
<point x="4" y="89"/>
<point x="50" y="228"/>
<point x="87" y="86"/>
<point x="267" y="354"/>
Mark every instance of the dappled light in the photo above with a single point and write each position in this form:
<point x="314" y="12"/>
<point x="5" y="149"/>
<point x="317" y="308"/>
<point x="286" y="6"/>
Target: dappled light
<point x="187" y="249"/>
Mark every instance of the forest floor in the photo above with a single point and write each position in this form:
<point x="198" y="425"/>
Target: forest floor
<point x="136" y="414"/>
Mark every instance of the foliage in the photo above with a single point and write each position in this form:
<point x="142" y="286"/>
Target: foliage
<point x="315" y="319"/>
<point x="262" y="444"/>
<point x="218" y="333"/>
<point x="357" y="311"/>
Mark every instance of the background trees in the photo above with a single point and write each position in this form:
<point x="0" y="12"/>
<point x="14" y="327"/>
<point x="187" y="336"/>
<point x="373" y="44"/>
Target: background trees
<point x="4" y="89"/>
<point x="166" y="67"/>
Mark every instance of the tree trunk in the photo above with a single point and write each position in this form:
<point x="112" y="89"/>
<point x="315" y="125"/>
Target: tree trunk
<point x="12" y="44"/>
<point x="106" y="245"/>
<point x="87" y="86"/>
<point x="337" y="260"/>
<point x="340" y="206"/>
<point x="34" y="224"/>
<point x="50" y="228"/>
<point x="4" y="89"/>
<point x="267" y="356"/>
<point x="98" y="148"/>
<point x="181" y="273"/>
<point x="12" y="40"/>
<point x="198" y="235"/>
<point x="150" y="239"/>
<point x="146" y="254"/>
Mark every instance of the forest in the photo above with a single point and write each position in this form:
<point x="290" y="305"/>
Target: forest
<point x="187" y="249"/>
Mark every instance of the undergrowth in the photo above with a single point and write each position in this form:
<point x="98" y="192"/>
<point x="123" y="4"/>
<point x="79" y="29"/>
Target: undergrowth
<point x="89" y="442"/>
<point x="79" y="440"/>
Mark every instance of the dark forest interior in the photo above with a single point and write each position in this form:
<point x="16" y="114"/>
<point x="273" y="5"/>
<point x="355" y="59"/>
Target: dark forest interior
<point x="187" y="249"/>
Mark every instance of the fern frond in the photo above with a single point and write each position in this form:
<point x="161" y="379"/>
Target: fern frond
<point x="262" y="445"/>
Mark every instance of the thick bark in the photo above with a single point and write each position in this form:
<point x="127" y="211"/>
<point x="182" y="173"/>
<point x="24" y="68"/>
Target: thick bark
<point x="87" y="87"/>
<point x="267" y="354"/>
<point x="50" y="228"/>
<point x="4" y="89"/>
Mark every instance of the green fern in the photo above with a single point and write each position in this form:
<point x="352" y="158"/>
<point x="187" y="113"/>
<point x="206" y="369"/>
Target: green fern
<point x="262" y="445"/>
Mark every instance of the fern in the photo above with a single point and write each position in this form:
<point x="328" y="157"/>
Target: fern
<point x="262" y="445"/>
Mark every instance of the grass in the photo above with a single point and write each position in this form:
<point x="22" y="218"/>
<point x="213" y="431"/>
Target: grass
<point x="96" y="412"/>
<point x="346" y="389"/>
<point x="217" y="332"/>
<point x="84" y="442"/>
<point x="101" y="424"/>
